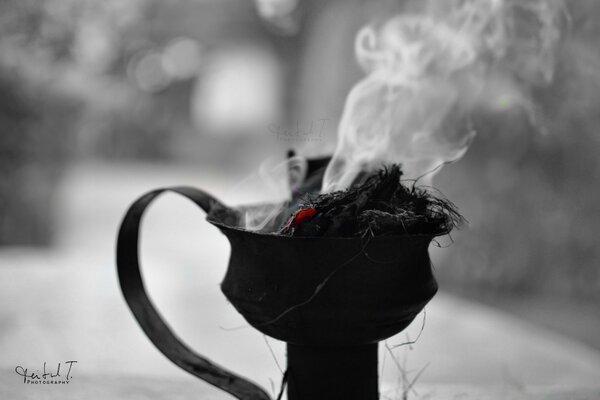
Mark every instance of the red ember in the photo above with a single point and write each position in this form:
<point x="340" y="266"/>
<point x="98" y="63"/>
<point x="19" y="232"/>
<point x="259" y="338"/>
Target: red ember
<point x="299" y="216"/>
<point x="303" y="214"/>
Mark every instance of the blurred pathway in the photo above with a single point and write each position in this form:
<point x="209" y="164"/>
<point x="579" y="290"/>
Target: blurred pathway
<point x="65" y="304"/>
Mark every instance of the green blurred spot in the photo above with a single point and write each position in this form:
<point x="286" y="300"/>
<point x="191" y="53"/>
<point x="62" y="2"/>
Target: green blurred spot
<point x="504" y="102"/>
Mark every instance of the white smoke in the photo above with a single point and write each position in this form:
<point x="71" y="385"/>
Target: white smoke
<point x="428" y="71"/>
<point x="270" y="189"/>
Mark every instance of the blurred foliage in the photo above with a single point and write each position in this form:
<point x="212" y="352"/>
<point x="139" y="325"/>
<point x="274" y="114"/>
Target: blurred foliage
<point x="52" y="56"/>
<point x="88" y="79"/>
<point x="34" y="149"/>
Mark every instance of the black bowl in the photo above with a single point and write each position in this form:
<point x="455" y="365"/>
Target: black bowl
<point x="325" y="290"/>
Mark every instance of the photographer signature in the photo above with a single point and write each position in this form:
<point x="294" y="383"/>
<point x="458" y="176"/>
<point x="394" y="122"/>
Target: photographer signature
<point x="46" y="374"/>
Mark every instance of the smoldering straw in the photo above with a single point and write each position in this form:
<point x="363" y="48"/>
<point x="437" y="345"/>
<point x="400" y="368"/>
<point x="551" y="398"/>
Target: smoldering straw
<point x="382" y="205"/>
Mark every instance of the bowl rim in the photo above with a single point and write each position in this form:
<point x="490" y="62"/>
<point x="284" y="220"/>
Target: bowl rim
<point x="417" y="237"/>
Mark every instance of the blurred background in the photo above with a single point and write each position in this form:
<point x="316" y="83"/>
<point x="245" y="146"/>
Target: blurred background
<point x="101" y="101"/>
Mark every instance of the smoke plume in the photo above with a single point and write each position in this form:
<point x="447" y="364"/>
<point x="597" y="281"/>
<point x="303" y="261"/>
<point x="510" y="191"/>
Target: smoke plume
<point x="428" y="71"/>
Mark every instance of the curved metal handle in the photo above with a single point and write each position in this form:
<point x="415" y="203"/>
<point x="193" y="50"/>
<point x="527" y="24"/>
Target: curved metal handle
<point x="148" y="317"/>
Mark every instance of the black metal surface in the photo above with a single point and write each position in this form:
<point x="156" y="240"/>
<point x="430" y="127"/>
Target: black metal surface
<point x="332" y="373"/>
<point x="328" y="291"/>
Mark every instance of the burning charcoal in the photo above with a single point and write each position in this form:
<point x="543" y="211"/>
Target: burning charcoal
<point x="379" y="206"/>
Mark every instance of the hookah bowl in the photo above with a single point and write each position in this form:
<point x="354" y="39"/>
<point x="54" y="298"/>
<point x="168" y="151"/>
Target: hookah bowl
<point x="330" y="299"/>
